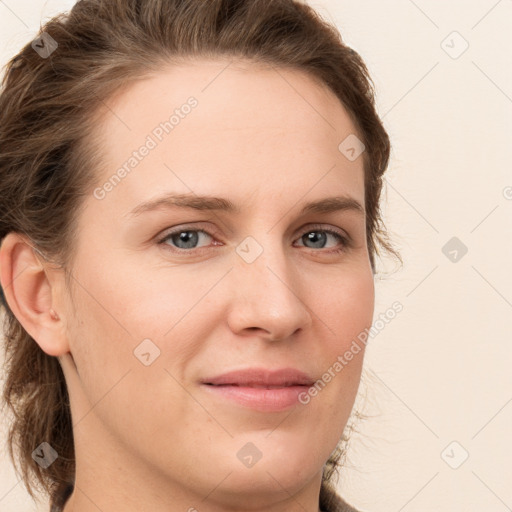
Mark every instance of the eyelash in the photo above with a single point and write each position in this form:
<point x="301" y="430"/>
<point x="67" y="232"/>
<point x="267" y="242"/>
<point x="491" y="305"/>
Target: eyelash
<point x="345" y="241"/>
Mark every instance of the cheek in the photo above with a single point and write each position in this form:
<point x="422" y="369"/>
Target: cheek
<point x="106" y="337"/>
<point x="120" y="308"/>
<point x="345" y="304"/>
<point x="344" y="310"/>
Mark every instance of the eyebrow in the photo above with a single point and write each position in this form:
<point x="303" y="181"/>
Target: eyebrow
<point x="211" y="203"/>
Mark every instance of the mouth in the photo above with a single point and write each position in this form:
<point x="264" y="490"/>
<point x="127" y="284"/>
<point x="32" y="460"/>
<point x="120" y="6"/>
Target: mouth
<point x="259" y="389"/>
<point x="262" y="377"/>
<point x="255" y="386"/>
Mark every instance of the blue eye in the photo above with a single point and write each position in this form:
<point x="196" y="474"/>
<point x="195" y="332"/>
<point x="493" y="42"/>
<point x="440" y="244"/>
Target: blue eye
<point x="320" y="235"/>
<point x="185" y="240"/>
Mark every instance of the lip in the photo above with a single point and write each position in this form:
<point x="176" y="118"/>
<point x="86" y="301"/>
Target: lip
<point x="259" y="388"/>
<point x="259" y="377"/>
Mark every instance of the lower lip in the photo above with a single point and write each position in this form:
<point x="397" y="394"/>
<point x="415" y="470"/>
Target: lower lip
<point x="261" y="399"/>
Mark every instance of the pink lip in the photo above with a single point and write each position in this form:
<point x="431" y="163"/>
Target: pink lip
<point x="253" y="377"/>
<point x="260" y="389"/>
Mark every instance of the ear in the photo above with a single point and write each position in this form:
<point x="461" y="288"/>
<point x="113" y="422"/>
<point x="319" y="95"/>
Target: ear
<point x="30" y="289"/>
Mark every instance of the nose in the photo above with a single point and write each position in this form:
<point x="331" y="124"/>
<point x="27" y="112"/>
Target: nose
<point x="268" y="297"/>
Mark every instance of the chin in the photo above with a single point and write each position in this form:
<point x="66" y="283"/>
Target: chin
<point x="265" y="485"/>
<point x="275" y="472"/>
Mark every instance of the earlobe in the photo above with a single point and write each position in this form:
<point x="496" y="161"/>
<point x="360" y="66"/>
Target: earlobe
<point x="28" y="292"/>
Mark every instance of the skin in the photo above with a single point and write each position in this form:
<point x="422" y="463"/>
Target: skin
<point x="150" y="438"/>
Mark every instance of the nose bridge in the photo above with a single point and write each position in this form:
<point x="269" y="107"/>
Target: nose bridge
<point x="268" y="289"/>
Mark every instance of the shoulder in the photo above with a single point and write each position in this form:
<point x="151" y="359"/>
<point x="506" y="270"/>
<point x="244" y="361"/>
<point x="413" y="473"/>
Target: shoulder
<point x="330" y="501"/>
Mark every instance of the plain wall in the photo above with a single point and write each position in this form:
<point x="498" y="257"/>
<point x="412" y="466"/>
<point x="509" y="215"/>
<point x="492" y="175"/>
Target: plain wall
<point x="437" y="384"/>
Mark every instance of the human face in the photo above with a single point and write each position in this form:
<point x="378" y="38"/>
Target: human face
<point x="245" y="289"/>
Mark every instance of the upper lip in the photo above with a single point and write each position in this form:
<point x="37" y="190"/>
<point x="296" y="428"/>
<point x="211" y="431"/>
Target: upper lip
<point x="262" y="377"/>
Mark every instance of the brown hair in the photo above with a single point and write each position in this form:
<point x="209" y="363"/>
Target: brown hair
<point x="49" y="158"/>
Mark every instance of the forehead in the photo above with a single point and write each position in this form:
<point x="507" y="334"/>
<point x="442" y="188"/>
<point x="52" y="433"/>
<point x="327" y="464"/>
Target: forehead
<point x="227" y="128"/>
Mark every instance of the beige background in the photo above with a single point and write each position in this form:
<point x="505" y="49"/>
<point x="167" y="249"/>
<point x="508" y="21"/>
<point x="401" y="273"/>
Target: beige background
<point x="440" y="371"/>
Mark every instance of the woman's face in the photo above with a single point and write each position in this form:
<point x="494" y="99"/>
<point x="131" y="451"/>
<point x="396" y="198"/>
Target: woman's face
<point x="265" y="286"/>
